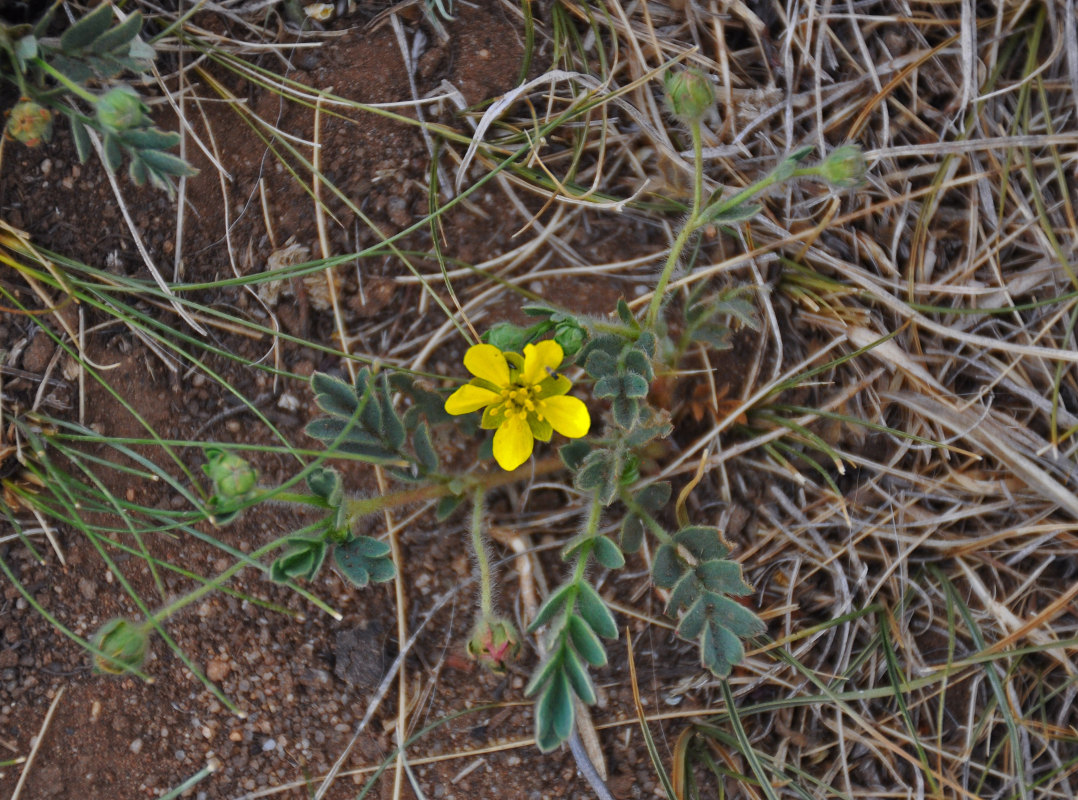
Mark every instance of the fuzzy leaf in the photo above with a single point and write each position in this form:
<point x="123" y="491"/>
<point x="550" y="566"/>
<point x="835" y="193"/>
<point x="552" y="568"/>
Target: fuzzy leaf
<point x="594" y="611"/>
<point x="428" y="459"/>
<point x="608" y="386"/>
<point x="554" y="714"/>
<point x="119" y="36"/>
<point x="608" y="554"/>
<point x="684" y="594"/>
<point x="334" y="396"/>
<point x="632" y="533"/>
<point x="82" y="139"/>
<point x="553" y="606"/>
<point x="574" y="453"/>
<point x="723" y="577"/>
<point x="325" y="482"/>
<point x="152" y="139"/>
<point x="625" y="411"/>
<point x="626" y="314"/>
<point x="392" y="425"/>
<point x="330" y="429"/>
<point x="578" y="676"/>
<point x="600" y="364"/>
<point x="633" y="385"/>
<point x="655" y="495"/>
<point x="705" y="543"/>
<point x="545" y="671"/>
<point x="86" y="30"/>
<point x="720" y="650"/>
<point x="303" y="560"/>
<point x="164" y="163"/>
<point x="447" y="505"/>
<point x="585" y="641"/>
<point x="114" y="156"/>
<point x="636" y="361"/>
<point x="595" y="471"/>
<point x="364" y="559"/>
<point x="667" y="567"/>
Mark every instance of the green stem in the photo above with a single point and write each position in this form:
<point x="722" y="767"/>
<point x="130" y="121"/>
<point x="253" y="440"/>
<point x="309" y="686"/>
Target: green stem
<point x="668" y="270"/>
<point x="491" y="480"/>
<point x="645" y="515"/>
<point x="698" y="170"/>
<point x="212" y="585"/>
<point x="486" y="596"/>
<point x="687" y="229"/>
<point x="698" y="217"/>
<point x="591" y="530"/>
<point x="66" y="82"/>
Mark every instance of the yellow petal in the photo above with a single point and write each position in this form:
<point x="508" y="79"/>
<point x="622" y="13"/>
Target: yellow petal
<point x="538" y="358"/>
<point x="568" y="415"/>
<point x="513" y="443"/>
<point x="470" y="398"/>
<point x="487" y="362"/>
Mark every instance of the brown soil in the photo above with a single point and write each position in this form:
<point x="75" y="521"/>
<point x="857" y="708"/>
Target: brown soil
<point x="303" y="680"/>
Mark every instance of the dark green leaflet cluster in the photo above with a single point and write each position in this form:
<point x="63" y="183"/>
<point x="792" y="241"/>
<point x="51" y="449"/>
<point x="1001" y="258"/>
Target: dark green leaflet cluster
<point x="694" y="566"/>
<point x="706" y="317"/>
<point x="577" y="617"/>
<point x="94" y="49"/>
<point x="621" y="367"/>
<point x="362" y="422"/>
<point x="619" y="357"/>
<point x="361" y="559"/>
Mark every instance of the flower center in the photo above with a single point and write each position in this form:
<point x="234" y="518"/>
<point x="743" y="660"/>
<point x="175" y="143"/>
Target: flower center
<point x="520" y="401"/>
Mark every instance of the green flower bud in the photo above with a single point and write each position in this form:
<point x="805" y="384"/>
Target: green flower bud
<point x="120" y="109"/>
<point x="233" y="478"/>
<point x="845" y="167"/>
<point x="29" y="123"/>
<point x="689" y="94"/>
<point x="507" y="336"/>
<point x="494" y="643"/>
<point x="124" y="645"/>
<point x="570" y="336"/>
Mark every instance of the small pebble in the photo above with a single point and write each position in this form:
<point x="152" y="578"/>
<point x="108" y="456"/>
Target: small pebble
<point x="217" y="669"/>
<point x="136" y="746"/>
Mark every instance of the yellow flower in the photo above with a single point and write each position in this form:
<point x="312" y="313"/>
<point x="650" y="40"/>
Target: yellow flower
<point x="523" y="397"/>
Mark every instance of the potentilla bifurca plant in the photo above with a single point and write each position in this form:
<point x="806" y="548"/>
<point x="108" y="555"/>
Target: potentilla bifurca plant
<point x="583" y="381"/>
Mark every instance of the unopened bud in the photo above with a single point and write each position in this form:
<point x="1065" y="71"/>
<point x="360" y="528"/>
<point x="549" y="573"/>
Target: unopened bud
<point x="845" y="167"/>
<point x="570" y="336"/>
<point x="689" y="94"/>
<point x="120" y="109"/>
<point x="29" y="123"/>
<point x="123" y="646"/>
<point x="494" y="643"/>
<point x="233" y="478"/>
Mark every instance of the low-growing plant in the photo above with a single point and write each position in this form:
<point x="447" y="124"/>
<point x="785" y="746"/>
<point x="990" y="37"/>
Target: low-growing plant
<point x="520" y="380"/>
<point x="77" y="76"/>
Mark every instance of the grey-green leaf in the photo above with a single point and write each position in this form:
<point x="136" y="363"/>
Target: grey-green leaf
<point x="553" y="606"/>
<point x="578" y="677"/>
<point x="667" y="567"/>
<point x="594" y="611"/>
<point x="87" y="29"/>
<point x="723" y="577"/>
<point x="703" y="541"/>
<point x="608" y="554"/>
<point x="333" y="395"/>
<point x="424" y="451"/>
<point x="585" y="641"/>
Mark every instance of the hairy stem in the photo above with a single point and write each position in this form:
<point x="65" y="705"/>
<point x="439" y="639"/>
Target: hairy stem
<point x="486" y="601"/>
